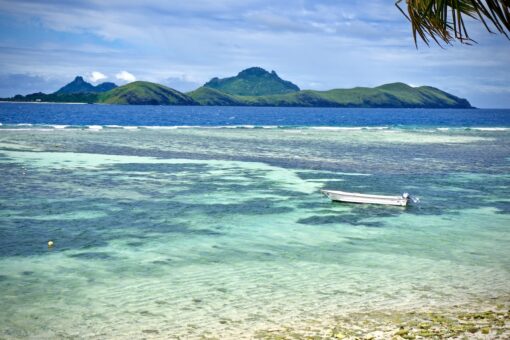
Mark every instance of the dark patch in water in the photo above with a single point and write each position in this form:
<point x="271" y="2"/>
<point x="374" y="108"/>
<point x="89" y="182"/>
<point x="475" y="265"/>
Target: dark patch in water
<point x="161" y="167"/>
<point x="26" y="273"/>
<point x="146" y="313"/>
<point x="316" y="220"/>
<point x="371" y="210"/>
<point x="371" y="224"/>
<point x="319" y="175"/>
<point x="354" y="238"/>
<point x="132" y="220"/>
<point x="319" y="203"/>
<point x="135" y="244"/>
<point x="93" y="256"/>
<point x="162" y="262"/>
<point x="503" y="207"/>
<point x="252" y="207"/>
<point x="352" y="219"/>
<point x="150" y="331"/>
<point x="207" y="232"/>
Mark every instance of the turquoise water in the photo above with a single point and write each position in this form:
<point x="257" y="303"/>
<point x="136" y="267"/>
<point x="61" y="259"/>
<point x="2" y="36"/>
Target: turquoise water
<point x="166" y="232"/>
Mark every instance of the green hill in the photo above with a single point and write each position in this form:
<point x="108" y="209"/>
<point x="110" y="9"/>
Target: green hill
<point x="212" y="97"/>
<point x="145" y="93"/>
<point x="395" y="95"/>
<point x="78" y="85"/>
<point x="254" y="81"/>
<point x="83" y="97"/>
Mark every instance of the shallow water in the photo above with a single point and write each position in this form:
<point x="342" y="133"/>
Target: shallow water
<point x="181" y="232"/>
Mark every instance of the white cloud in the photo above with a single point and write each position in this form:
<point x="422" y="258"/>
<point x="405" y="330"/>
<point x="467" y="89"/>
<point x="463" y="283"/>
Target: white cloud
<point x="182" y="83"/>
<point x="97" y="76"/>
<point x="125" y="76"/>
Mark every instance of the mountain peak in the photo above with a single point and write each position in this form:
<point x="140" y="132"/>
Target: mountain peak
<point x="395" y="86"/>
<point x="253" y="71"/>
<point x="106" y="86"/>
<point x="79" y="85"/>
<point x="253" y="81"/>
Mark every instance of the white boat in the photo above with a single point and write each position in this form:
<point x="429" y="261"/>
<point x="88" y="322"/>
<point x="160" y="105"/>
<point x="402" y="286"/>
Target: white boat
<point x="353" y="197"/>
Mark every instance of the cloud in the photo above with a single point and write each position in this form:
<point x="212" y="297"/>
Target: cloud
<point x="182" y="83"/>
<point x="97" y="76"/>
<point x="125" y="76"/>
<point x="113" y="20"/>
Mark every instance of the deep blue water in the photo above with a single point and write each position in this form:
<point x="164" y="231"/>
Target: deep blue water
<point x="12" y="113"/>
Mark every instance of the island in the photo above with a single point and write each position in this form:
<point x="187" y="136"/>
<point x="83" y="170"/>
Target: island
<point x="251" y="87"/>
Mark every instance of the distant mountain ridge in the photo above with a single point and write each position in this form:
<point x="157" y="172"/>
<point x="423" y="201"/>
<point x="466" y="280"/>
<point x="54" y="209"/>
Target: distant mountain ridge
<point x="257" y="87"/>
<point x="254" y="81"/>
<point x="78" y="85"/>
<point x="394" y="95"/>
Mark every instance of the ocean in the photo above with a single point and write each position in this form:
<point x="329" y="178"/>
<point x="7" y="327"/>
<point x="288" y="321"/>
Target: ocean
<point x="208" y="222"/>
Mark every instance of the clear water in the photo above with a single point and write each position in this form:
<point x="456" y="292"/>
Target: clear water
<point x="166" y="232"/>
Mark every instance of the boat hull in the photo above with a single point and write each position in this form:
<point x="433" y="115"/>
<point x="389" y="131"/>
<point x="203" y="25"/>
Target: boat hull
<point x="350" y="197"/>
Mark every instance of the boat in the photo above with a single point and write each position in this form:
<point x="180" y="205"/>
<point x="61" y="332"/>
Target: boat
<point x="354" y="197"/>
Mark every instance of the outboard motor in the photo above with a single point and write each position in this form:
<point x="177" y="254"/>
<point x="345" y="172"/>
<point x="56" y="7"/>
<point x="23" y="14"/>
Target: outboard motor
<point x="413" y="199"/>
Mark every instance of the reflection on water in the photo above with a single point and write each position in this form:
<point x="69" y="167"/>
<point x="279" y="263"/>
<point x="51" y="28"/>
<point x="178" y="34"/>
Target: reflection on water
<point x="184" y="232"/>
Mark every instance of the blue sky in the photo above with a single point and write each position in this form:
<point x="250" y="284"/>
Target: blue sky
<point x="317" y="44"/>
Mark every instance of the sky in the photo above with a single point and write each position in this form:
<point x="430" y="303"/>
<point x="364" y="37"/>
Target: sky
<point x="317" y="44"/>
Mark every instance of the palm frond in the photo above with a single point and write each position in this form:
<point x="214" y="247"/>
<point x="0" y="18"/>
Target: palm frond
<point x="443" y="20"/>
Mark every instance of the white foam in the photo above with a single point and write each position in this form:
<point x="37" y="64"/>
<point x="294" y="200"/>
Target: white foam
<point x="490" y="128"/>
<point x="28" y="129"/>
<point x="174" y="127"/>
<point x="386" y="129"/>
<point x="157" y="127"/>
<point x="348" y="128"/>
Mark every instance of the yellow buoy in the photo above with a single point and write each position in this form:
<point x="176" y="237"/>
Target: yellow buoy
<point x="50" y="244"/>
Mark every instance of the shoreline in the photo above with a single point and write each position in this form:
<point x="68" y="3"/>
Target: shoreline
<point x="484" y="321"/>
<point x="467" y="321"/>
<point x="17" y="102"/>
<point x="263" y="106"/>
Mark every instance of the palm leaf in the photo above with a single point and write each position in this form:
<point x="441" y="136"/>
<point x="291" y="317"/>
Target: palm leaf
<point x="443" y="20"/>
